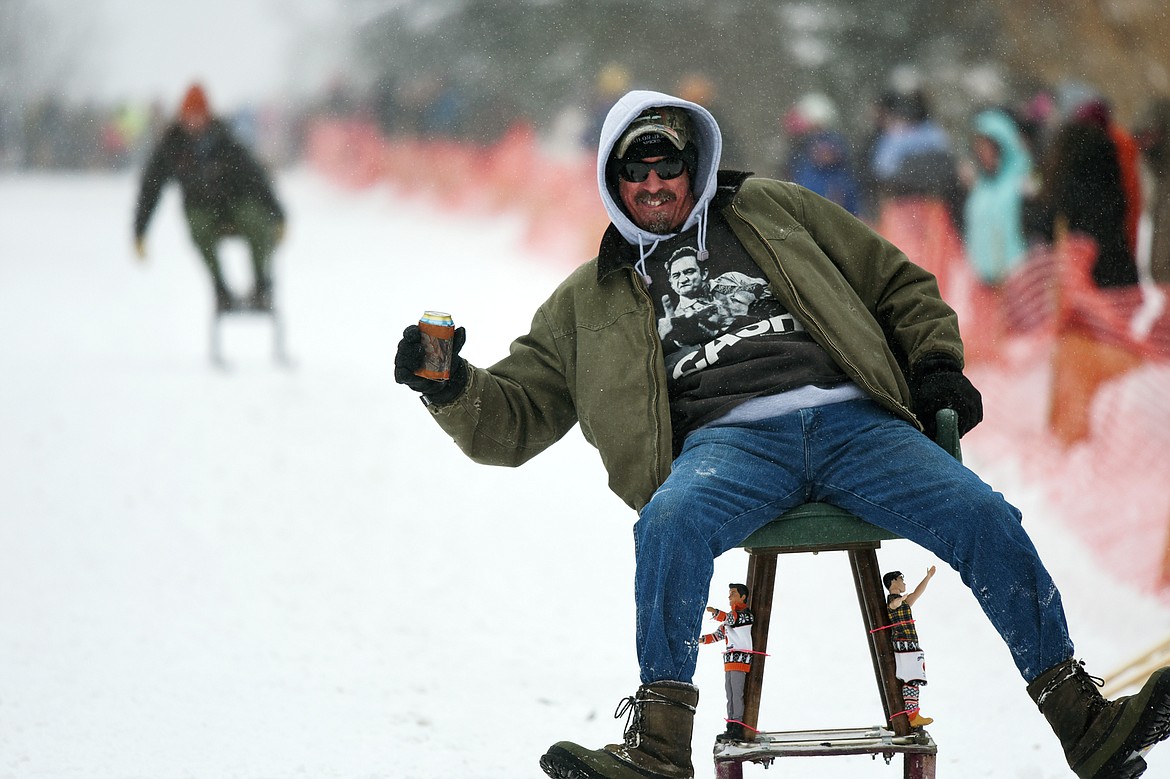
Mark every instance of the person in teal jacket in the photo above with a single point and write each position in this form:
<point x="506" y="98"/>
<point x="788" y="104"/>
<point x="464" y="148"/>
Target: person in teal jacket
<point x="993" y="225"/>
<point x="830" y="355"/>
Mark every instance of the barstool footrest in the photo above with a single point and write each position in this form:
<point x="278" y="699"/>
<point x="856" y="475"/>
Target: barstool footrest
<point x="874" y="740"/>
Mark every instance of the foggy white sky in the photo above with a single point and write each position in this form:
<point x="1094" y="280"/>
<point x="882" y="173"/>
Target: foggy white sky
<point x="242" y="50"/>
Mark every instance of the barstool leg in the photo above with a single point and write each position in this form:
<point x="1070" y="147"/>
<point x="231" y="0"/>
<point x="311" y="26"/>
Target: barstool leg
<point x="729" y="770"/>
<point x="868" y="581"/>
<point x="918" y="767"/>
<point x="761" y="584"/>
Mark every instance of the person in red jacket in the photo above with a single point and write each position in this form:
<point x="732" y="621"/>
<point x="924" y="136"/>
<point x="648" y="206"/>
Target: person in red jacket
<point x="736" y="630"/>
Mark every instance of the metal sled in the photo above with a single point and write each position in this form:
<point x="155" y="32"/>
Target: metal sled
<point x="279" y="352"/>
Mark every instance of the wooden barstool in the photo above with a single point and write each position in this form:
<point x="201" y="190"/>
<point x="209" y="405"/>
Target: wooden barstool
<point x="816" y="528"/>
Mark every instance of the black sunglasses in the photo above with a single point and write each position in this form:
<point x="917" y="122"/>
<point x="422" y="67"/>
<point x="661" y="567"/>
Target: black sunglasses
<point x="667" y="168"/>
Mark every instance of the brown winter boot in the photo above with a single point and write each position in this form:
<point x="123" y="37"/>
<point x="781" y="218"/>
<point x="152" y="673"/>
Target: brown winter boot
<point x="657" y="745"/>
<point x="1103" y="739"/>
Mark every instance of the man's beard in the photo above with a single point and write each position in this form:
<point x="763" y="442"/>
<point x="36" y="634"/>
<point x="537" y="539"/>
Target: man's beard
<point x="659" y="223"/>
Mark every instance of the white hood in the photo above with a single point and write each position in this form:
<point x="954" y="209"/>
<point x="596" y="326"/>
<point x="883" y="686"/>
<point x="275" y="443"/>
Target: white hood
<point x="710" y="145"/>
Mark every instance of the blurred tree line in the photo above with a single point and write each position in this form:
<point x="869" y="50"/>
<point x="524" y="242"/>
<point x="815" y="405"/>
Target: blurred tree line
<point x="532" y="57"/>
<point x="472" y="66"/>
<point x="1121" y="46"/>
<point x="38" y="55"/>
<point x="487" y="61"/>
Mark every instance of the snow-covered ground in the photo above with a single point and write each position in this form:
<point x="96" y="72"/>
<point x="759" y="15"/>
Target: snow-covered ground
<point x="292" y="574"/>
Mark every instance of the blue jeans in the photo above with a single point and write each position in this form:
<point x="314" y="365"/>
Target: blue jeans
<point x="729" y="481"/>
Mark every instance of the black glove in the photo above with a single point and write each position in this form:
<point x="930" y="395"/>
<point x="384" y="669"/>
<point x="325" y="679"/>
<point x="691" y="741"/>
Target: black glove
<point x="937" y="382"/>
<point x="410" y="358"/>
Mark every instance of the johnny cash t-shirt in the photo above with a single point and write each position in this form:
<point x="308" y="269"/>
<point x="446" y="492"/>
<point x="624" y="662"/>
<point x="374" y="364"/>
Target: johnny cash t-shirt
<point x="725" y="337"/>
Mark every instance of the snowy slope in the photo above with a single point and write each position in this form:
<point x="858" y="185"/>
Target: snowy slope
<point x="273" y="574"/>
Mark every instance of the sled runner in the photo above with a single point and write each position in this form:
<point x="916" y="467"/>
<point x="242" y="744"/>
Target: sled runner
<point x="246" y="310"/>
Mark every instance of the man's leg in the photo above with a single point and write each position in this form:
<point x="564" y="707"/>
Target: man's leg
<point x="258" y="227"/>
<point x="884" y="471"/>
<point x="736" y="681"/>
<point x="729" y="691"/>
<point x="733" y="685"/>
<point x="204" y="227"/>
<point x="726" y="483"/>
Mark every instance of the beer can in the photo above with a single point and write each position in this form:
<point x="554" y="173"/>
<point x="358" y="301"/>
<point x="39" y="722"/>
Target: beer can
<point x="438" y="337"/>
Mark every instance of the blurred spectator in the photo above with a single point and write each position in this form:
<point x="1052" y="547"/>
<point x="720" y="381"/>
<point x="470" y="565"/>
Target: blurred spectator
<point x="1037" y="118"/>
<point x="993" y="227"/>
<point x="11" y="142"/>
<point x="1083" y="192"/>
<point x="562" y="139"/>
<point x="444" y="116"/>
<point x="880" y="116"/>
<point x="913" y="156"/>
<point x="339" y="100"/>
<point x="134" y="121"/>
<point x="48" y="135"/>
<point x="819" y="155"/>
<point x="920" y="202"/>
<point x="115" y="148"/>
<point x="698" y="87"/>
<point x="1097" y="111"/>
<point x="225" y="192"/>
<point x="429" y="106"/>
<point x="385" y="104"/>
<point x="612" y="82"/>
<point x="1153" y="136"/>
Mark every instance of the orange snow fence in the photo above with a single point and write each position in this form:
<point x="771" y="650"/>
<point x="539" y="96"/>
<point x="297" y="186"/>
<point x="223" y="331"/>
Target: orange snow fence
<point x="1074" y="381"/>
<point x="554" y="196"/>
<point x="351" y="153"/>
<point x="923" y="230"/>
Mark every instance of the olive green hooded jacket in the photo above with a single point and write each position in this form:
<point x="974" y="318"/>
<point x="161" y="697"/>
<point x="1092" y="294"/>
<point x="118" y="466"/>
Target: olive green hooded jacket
<point x="593" y="357"/>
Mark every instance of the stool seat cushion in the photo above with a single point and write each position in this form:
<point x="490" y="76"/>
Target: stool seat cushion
<point x="814" y="527"/>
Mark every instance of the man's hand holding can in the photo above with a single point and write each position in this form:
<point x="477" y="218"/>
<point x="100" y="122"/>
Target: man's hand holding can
<point x="428" y="359"/>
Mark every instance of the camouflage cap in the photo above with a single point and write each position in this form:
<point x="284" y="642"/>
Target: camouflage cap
<point x="668" y="122"/>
